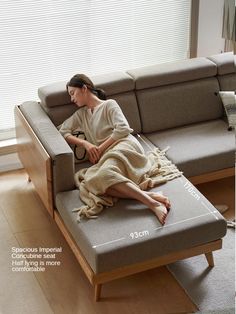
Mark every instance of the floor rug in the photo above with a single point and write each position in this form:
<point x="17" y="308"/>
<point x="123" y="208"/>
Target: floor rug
<point x="212" y="289"/>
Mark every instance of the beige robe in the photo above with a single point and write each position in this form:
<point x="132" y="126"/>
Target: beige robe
<point x="106" y="120"/>
<point x="123" y="161"/>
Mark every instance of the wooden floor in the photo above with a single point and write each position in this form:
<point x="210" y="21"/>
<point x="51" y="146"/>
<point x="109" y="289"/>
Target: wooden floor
<point x="64" y="289"/>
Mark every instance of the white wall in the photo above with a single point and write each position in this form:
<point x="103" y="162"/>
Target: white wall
<point x="210" y="28"/>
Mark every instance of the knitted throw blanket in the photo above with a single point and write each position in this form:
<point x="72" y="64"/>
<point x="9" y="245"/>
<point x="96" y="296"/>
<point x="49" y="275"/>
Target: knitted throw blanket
<point x="124" y="161"/>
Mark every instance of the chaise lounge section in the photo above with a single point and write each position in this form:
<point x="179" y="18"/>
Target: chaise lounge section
<point x="175" y="104"/>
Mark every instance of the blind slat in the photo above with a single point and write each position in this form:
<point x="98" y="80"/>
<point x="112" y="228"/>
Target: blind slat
<point x="44" y="41"/>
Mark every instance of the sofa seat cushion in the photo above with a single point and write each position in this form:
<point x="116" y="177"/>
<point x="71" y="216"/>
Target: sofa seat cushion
<point x="128" y="232"/>
<point x="198" y="148"/>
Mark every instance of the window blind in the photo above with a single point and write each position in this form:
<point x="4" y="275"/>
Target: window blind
<point x="45" y="41"/>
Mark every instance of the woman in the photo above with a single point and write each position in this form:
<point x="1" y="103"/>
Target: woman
<point x="111" y="146"/>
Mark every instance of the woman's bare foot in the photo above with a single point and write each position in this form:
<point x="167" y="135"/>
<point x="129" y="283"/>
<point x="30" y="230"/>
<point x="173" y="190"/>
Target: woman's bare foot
<point x="158" y="196"/>
<point x="161" y="212"/>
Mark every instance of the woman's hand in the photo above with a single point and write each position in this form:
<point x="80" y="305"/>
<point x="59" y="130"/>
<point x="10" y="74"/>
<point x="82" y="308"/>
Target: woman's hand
<point x="93" y="152"/>
<point x="102" y="147"/>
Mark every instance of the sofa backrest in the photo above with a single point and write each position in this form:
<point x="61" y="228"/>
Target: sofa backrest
<point x="118" y="85"/>
<point x="226" y="70"/>
<point x="177" y="93"/>
<point x="157" y="97"/>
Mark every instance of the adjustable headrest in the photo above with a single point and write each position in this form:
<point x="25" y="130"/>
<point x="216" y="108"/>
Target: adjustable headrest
<point x="173" y="72"/>
<point x="112" y="83"/>
<point x="226" y="63"/>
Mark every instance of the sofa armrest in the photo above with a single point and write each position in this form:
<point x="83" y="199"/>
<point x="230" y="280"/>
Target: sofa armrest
<point x="38" y="139"/>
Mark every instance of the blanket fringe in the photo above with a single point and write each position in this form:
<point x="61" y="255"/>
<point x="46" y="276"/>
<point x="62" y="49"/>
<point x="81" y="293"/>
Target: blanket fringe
<point x="83" y="211"/>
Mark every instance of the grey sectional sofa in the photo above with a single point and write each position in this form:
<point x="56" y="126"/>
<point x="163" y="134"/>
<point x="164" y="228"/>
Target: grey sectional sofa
<point x="174" y="104"/>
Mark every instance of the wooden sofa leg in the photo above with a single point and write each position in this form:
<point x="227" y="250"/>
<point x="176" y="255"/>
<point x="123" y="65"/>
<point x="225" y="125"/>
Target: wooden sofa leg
<point x="210" y="259"/>
<point x="98" y="288"/>
<point x="29" y="180"/>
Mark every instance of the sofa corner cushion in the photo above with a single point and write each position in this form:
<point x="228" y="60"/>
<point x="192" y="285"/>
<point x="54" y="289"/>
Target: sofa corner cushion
<point x="113" y="83"/>
<point x="172" y="72"/>
<point x="225" y="63"/>
<point x="109" y="242"/>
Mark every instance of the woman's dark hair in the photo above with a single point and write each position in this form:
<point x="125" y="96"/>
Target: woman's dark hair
<point x="79" y="80"/>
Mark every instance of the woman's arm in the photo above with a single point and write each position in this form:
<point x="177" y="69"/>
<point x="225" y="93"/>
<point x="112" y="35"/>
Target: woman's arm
<point x="70" y="125"/>
<point x="102" y="147"/>
<point x="117" y="121"/>
<point x="93" y="152"/>
<point x="71" y="139"/>
<point x="66" y="130"/>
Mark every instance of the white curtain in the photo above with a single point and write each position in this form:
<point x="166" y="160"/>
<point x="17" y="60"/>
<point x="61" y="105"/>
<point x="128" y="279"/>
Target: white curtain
<point x="44" y="41"/>
<point x="229" y="25"/>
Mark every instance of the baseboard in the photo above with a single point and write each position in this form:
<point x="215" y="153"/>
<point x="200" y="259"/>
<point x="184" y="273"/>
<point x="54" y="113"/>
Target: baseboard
<point x="10" y="162"/>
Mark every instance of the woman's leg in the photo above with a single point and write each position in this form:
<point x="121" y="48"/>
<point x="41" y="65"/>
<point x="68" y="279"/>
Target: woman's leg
<point x="113" y="192"/>
<point x="158" y="196"/>
<point x="129" y="190"/>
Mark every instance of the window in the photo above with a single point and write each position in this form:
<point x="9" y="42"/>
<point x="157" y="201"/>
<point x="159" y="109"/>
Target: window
<point x="45" y="41"/>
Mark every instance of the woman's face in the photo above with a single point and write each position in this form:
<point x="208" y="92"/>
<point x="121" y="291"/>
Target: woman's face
<point x="77" y="95"/>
